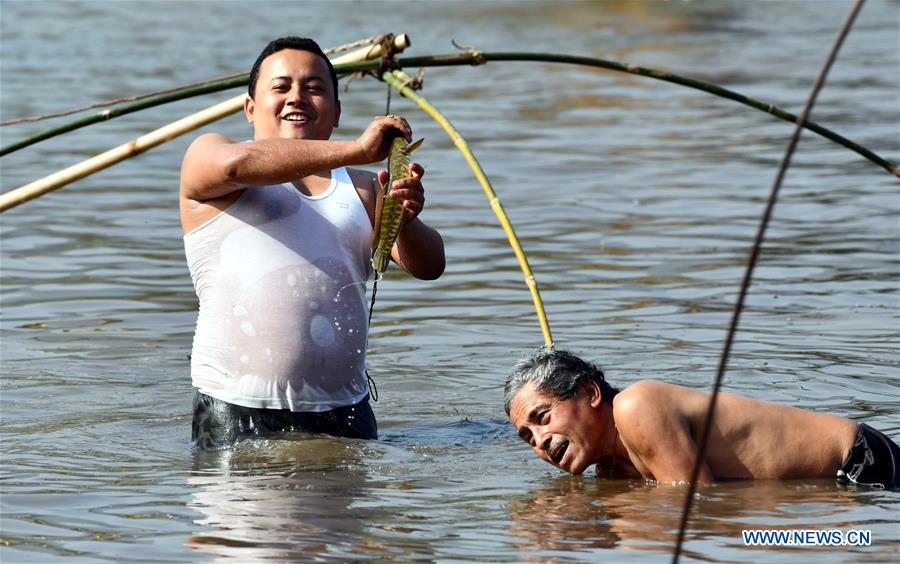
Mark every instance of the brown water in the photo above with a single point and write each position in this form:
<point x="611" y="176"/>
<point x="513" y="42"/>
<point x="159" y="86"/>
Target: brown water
<point x="636" y="202"/>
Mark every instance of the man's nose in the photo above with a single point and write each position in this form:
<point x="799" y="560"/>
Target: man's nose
<point x="295" y="96"/>
<point x="541" y="440"/>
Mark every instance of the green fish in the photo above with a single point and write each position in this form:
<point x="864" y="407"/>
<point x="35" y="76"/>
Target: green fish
<point x="389" y="216"/>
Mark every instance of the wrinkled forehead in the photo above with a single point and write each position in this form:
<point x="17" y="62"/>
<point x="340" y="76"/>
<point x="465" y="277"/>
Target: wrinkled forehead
<point x="525" y="402"/>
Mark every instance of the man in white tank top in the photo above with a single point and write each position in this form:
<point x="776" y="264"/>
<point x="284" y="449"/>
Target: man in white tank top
<point x="277" y="239"/>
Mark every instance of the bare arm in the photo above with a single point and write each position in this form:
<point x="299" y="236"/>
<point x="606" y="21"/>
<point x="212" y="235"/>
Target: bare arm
<point x="214" y="165"/>
<point x="657" y="434"/>
<point x="420" y="251"/>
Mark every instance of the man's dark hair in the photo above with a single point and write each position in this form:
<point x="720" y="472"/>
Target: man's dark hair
<point x="555" y="372"/>
<point x="290" y="42"/>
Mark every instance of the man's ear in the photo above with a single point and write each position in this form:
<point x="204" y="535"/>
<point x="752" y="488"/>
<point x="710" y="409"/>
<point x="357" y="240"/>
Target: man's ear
<point x="595" y="397"/>
<point x="249" y="106"/>
<point x="337" y="113"/>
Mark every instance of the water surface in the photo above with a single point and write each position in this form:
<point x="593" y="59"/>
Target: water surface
<point x="636" y="202"/>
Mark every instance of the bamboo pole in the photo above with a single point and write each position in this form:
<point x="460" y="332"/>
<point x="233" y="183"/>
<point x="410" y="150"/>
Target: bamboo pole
<point x="401" y="42"/>
<point x="137" y="146"/>
<point x="400" y="80"/>
<point x="106" y="159"/>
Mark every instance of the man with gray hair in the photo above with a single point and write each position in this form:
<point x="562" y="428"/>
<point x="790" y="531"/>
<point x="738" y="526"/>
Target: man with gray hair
<point x="564" y="408"/>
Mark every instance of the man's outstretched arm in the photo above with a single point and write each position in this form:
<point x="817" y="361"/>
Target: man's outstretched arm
<point x="215" y="166"/>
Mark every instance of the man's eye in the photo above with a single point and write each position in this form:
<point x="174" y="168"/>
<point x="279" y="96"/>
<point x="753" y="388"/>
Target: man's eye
<point x="544" y="416"/>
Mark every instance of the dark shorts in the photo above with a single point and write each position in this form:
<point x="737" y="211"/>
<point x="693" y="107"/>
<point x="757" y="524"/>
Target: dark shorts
<point x="218" y="424"/>
<point x="873" y="461"/>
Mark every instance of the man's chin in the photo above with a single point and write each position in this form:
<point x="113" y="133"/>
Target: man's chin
<point x="307" y="132"/>
<point x="575" y="468"/>
<point x="296" y="134"/>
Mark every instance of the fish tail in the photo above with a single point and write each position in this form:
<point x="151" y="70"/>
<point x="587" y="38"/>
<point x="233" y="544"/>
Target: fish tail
<point x="380" y="261"/>
<point x="413" y="146"/>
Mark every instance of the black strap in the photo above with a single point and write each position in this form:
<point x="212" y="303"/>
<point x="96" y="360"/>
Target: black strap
<point x="373" y="389"/>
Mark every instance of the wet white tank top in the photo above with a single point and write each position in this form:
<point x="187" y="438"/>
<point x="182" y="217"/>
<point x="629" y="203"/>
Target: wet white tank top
<point x="281" y="281"/>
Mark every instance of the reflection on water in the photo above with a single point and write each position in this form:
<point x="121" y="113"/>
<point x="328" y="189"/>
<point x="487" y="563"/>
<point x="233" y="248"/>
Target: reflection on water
<point x="280" y="499"/>
<point x="635" y="200"/>
<point x="567" y="515"/>
<point x="578" y="514"/>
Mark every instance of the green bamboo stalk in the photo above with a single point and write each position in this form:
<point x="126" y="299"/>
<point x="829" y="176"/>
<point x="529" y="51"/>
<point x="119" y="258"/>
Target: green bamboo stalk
<point x="125" y="109"/>
<point x="400" y="43"/>
<point x="108" y="103"/>
<point x="400" y="81"/>
<point x="475" y="58"/>
<point x="161" y="135"/>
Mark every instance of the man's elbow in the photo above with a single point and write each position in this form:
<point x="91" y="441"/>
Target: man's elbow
<point x="234" y="168"/>
<point x="434" y="269"/>
<point x="430" y="261"/>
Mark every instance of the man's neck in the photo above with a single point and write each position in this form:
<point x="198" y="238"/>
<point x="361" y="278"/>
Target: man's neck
<point x="314" y="184"/>
<point x="614" y="461"/>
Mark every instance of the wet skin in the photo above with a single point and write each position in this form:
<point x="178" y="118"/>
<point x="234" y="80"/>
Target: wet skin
<point x="294" y="113"/>
<point x="294" y="98"/>
<point x="651" y="429"/>
<point x="564" y="433"/>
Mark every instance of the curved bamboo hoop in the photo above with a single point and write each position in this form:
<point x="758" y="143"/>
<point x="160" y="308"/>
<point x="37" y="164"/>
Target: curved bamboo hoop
<point x="143" y="143"/>
<point x="400" y="81"/>
<point x="475" y="58"/>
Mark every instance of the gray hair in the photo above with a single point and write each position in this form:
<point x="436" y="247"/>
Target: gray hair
<point x="555" y="372"/>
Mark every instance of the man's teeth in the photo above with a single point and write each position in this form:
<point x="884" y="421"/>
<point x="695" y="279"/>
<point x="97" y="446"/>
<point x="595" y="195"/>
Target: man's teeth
<point x="296" y="118"/>
<point x="559" y="452"/>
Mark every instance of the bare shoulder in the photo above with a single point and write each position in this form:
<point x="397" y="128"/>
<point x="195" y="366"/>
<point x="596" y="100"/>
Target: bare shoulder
<point x="200" y="161"/>
<point x="644" y="392"/>
<point x="650" y="419"/>
<point x="205" y="141"/>
<point x="645" y="402"/>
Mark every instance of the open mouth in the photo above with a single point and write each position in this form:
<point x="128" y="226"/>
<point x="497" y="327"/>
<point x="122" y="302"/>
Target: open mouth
<point x="296" y="117"/>
<point x="558" y="450"/>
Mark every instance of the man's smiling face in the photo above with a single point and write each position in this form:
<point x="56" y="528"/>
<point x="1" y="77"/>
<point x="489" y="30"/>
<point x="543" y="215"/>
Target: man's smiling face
<point x="294" y="98"/>
<point x="565" y="433"/>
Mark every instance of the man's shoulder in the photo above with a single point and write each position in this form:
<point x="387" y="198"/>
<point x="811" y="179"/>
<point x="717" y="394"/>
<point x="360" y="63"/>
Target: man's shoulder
<point x="212" y="139"/>
<point x="647" y="411"/>
<point x="651" y="388"/>
<point x="643" y="396"/>
<point x="202" y="149"/>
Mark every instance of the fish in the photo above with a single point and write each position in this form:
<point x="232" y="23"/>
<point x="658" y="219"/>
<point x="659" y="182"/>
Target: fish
<point x="389" y="215"/>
